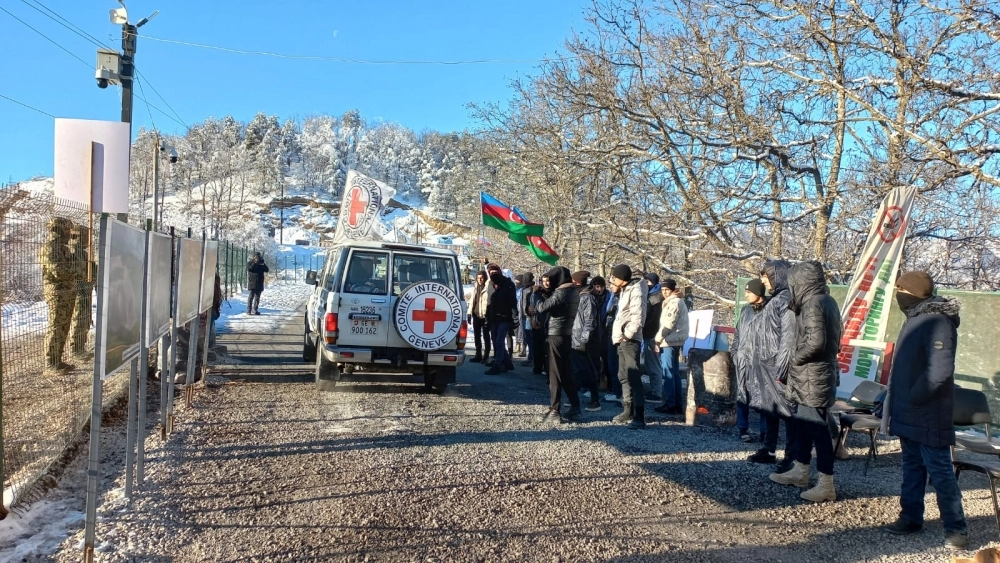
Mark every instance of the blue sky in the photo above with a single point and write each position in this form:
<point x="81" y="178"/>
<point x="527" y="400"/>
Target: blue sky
<point x="199" y="83"/>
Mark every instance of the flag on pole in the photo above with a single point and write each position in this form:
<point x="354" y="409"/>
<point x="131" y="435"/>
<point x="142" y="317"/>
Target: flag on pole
<point x="362" y="204"/>
<point x="498" y="215"/>
<point x="866" y="307"/>
<point x="536" y="245"/>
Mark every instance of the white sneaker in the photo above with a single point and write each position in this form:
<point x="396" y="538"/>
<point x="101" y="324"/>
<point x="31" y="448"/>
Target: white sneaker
<point x="612" y="397"/>
<point x="586" y="394"/>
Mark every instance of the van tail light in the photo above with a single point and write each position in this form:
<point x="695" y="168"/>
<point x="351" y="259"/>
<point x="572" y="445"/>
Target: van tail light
<point x="463" y="335"/>
<point x="331" y="328"/>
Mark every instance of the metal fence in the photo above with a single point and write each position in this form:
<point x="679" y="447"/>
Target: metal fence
<point x="48" y="268"/>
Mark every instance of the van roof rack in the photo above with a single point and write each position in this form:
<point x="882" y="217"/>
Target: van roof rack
<point x="404" y="247"/>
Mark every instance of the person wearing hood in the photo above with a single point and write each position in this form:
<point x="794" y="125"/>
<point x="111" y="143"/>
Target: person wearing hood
<point x="772" y="339"/>
<point x="626" y="336"/>
<point x="920" y="406"/>
<point x="518" y="329"/>
<point x="586" y="341"/>
<point x="650" y="351"/>
<point x="477" y="310"/>
<point x="500" y="311"/>
<point x="813" y="376"/>
<point x="561" y="302"/>
<point x="523" y="309"/>
<point x="607" y="304"/>
<point x="742" y="352"/>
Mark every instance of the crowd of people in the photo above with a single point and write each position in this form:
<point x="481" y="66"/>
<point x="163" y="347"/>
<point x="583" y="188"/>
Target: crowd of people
<point x="585" y="333"/>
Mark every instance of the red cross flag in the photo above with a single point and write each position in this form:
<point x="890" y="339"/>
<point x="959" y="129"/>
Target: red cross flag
<point x="360" y="208"/>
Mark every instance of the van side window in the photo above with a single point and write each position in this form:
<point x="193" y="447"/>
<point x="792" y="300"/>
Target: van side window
<point x="330" y="269"/>
<point x="366" y="273"/>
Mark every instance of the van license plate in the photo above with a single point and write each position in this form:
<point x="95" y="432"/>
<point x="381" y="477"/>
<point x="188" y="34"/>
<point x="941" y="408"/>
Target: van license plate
<point x="364" y="327"/>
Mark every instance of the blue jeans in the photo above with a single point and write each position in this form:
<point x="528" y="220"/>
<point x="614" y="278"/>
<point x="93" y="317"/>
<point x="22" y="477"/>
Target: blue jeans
<point x="653" y="367"/>
<point x="529" y="345"/>
<point x="501" y="355"/>
<point x="670" y="364"/>
<point x="743" y="420"/>
<point x="919" y="461"/>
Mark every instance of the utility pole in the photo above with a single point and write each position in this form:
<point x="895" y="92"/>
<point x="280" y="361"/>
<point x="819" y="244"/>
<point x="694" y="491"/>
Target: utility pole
<point x="156" y="181"/>
<point x="281" y="223"/>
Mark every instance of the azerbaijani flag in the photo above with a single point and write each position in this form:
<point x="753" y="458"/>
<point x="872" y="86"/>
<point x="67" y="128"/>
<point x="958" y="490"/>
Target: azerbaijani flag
<point x="499" y="216"/>
<point x="536" y="244"/>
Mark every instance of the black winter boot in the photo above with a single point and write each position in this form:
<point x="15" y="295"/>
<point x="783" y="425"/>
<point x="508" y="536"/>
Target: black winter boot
<point x="625" y="416"/>
<point x="639" y="419"/>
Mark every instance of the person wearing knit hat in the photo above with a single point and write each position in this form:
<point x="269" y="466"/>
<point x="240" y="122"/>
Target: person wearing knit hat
<point x="741" y="350"/>
<point x="626" y="335"/>
<point x="920" y="405"/>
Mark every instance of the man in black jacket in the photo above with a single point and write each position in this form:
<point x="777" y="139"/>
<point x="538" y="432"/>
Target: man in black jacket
<point x="500" y="314"/>
<point x="920" y="406"/>
<point x="523" y="306"/>
<point x="256" y="268"/>
<point x="561" y="303"/>
<point x="742" y="352"/>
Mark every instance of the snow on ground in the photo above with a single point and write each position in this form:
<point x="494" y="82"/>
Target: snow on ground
<point x="275" y="302"/>
<point x="39" y="528"/>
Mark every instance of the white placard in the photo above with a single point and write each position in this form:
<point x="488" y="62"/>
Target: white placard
<point x="699" y="330"/>
<point x="91" y="163"/>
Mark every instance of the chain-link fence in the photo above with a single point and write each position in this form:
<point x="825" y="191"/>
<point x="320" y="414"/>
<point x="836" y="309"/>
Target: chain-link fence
<point x="48" y="268"/>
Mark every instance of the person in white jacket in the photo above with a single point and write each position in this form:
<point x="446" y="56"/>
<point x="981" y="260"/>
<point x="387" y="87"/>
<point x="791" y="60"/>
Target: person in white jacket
<point x="669" y="341"/>
<point x="626" y="336"/>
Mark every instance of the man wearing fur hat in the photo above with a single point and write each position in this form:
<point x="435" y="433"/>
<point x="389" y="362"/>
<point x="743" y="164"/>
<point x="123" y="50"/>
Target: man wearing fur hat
<point x="626" y="336"/>
<point x="920" y="406"/>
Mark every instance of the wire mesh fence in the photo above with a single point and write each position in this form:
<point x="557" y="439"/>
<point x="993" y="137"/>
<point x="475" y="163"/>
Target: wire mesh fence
<point x="48" y="268"/>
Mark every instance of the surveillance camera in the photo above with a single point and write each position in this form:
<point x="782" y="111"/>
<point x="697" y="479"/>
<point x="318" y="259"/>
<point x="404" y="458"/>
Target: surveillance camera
<point x="173" y="156"/>
<point x="102" y="83"/>
<point x="106" y="76"/>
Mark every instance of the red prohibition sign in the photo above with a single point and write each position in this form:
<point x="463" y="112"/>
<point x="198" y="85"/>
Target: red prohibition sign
<point x="891" y="224"/>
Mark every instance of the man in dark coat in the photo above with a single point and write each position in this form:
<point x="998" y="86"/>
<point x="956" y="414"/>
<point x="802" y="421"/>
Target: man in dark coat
<point x="920" y="406"/>
<point x="256" y="268"/>
<point x="524" y="304"/>
<point x="586" y="342"/>
<point x="813" y="375"/>
<point x="772" y="337"/>
<point x="500" y="311"/>
<point x="741" y="350"/>
<point x="539" y="327"/>
<point x="561" y="303"/>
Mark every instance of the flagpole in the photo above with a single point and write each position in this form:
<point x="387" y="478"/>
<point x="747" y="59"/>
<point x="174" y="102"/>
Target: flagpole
<point x="482" y="230"/>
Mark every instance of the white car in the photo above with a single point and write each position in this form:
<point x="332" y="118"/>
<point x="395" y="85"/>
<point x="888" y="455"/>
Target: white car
<point x="386" y="308"/>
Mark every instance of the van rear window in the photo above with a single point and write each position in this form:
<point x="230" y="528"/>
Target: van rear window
<point x="409" y="269"/>
<point x="367" y="273"/>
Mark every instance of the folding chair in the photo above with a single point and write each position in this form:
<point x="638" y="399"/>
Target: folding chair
<point x="972" y="409"/>
<point x="861" y="419"/>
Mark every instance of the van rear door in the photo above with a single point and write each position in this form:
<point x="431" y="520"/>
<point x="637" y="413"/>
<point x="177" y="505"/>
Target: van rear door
<point x="411" y="268"/>
<point x="365" y="313"/>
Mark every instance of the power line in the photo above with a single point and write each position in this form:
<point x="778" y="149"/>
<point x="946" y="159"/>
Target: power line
<point x="148" y="110"/>
<point x="43" y="112"/>
<point x="49" y="39"/>
<point x="165" y="102"/>
<point x="352" y="61"/>
<point x="170" y="117"/>
<point x="64" y="22"/>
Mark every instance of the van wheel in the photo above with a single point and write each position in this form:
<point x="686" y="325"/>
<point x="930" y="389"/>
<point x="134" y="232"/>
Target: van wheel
<point x="308" y="346"/>
<point x="327" y="375"/>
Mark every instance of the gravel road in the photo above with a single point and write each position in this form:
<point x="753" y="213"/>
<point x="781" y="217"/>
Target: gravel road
<point x="263" y="467"/>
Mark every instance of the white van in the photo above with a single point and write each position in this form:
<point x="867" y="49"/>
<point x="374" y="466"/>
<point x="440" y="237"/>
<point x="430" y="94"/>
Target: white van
<point x="386" y="308"/>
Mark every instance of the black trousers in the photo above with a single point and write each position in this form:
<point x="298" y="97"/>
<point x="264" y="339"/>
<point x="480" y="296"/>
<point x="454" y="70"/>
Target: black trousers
<point x="253" y="300"/>
<point x="629" y="374"/>
<point x="482" y="332"/>
<point x="585" y="372"/>
<point x="560" y="373"/>
<point x="772" y="422"/>
<point x="541" y="349"/>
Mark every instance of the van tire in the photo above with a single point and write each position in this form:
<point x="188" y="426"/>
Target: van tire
<point x="327" y="375"/>
<point x="308" y="346"/>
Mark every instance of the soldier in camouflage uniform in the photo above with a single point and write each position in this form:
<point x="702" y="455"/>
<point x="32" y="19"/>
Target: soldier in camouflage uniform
<point x="59" y="277"/>
<point x="86" y="279"/>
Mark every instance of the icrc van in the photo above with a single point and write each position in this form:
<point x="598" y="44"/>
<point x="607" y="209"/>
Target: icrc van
<point x="386" y="308"/>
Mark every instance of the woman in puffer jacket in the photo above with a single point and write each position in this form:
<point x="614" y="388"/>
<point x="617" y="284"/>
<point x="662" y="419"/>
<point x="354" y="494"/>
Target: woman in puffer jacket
<point x="813" y="375"/>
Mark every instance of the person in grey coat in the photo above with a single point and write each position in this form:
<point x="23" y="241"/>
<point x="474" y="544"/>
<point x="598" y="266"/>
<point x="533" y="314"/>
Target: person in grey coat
<point x="813" y="376"/>
<point x="772" y="337"/>
<point x="920" y="406"/>
<point x="586" y="355"/>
